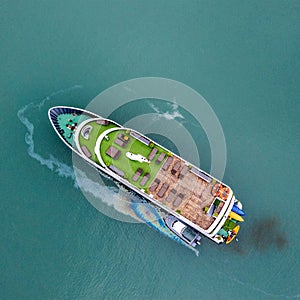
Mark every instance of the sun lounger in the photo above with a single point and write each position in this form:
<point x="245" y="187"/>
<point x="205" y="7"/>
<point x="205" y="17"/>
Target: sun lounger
<point x="183" y="171"/>
<point x="152" y="153"/>
<point x="160" y="158"/>
<point x="171" y="195"/>
<point x="167" y="163"/>
<point x="178" y="200"/>
<point x="120" y="142"/>
<point x="123" y="138"/>
<point x="154" y="185"/>
<point x="163" y="190"/>
<point x="176" y="167"/>
<point x="137" y="174"/>
<point x="86" y="152"/>
<point x="113" y="152"/>
<point x="145" y="179"/>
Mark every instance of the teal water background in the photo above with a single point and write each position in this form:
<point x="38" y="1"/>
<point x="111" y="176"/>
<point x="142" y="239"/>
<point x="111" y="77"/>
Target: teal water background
<point x="243" y="57"/>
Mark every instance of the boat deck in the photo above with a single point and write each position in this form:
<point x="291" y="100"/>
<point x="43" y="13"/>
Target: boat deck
<point x="177" y="185"/>
<point x="88" y="135"/>
<point x="188" y="194"/>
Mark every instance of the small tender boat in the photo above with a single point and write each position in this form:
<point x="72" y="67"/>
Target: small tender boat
<point x="233" y="234"/>
<point x="185" y="232"/>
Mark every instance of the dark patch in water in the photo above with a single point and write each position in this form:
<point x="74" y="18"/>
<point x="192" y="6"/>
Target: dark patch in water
<point x="281" y="242"/>
<point x="267" y="234"/>
<point x="238" y="249"/>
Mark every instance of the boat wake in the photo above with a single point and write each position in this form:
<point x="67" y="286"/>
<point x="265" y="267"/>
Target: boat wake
<point x="116" y="200"/>
<point x="259" y="290"/>
<point x="51" y="163"/>
<point x="154" y="220"/>
<point x="81" y="179"/>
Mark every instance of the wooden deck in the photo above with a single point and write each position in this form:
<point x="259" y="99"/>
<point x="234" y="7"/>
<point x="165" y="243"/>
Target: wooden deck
<point x="196" y="193"/>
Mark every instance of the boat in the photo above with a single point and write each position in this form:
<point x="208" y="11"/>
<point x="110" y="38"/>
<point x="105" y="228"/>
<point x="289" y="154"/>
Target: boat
<point x="232" y="234"/>
<point x="192" y="199"/>
<point x="185" y="232"/>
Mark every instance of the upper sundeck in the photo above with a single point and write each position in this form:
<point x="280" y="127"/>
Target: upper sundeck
<point x="165" y="178"/>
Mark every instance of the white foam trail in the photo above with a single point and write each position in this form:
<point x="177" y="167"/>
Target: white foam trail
<point x="237" y="281"/>
<point x="52" y="163"/>
<point x="94" y="189"/>
<point x="64" y="170"/>
<point x="169" y="115"/>
<point x="261" y="290"/>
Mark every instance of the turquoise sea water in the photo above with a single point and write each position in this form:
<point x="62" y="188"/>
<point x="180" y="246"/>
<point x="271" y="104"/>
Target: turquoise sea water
<point x="243" y="57"/>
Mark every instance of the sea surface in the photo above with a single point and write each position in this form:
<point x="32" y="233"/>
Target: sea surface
<point x="241" y="56"/>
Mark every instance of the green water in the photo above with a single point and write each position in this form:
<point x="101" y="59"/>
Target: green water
<point x="243" y="57"/>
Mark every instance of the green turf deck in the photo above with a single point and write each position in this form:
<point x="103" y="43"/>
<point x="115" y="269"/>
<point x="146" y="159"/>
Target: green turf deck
<point x="95" y="133"/>
<point x="128" y="166"/>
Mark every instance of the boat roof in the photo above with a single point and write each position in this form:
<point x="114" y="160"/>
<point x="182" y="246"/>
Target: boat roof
<point x="178" y="226"/>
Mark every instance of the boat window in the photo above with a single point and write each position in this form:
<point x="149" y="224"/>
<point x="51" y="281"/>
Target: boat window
<point x="189" y="234"/>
